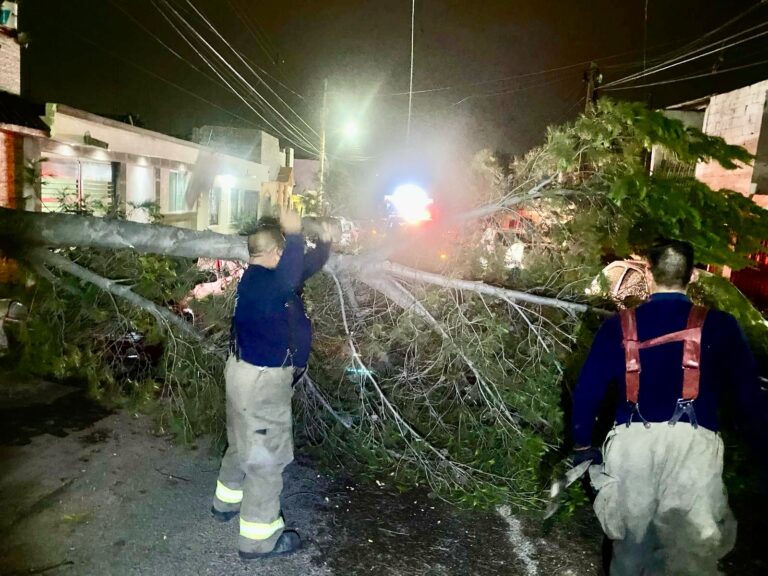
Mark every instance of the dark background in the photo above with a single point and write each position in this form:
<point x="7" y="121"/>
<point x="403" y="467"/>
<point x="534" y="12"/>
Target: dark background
<point x="95" y="55"/>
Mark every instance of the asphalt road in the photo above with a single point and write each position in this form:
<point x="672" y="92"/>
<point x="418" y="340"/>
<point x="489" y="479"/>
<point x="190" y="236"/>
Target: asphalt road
<point x="84" y="492"/>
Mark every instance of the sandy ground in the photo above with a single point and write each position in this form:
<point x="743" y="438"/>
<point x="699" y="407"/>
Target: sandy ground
<point x="83" y="492"/>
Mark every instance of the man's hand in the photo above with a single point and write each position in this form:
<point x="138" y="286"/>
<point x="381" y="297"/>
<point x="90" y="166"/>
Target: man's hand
<point x="584" y="453"/>
<point x="290" y="221"/>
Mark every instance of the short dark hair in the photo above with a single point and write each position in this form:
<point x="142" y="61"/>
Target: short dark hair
<point x="671" y="263"/>
<point x="266" y="237"/>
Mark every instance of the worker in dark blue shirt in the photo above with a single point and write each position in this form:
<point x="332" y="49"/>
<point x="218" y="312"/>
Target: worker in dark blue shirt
<point x="270" y="345"/>
<point x="661" y="498"/>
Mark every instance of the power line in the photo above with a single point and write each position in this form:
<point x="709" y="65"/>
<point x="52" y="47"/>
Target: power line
<point x="291" y="132"/>
<point x="645" y="36"/>
<point x="410" y="88"/>
<point x="166" y="46"/>
<point x="239" y="56"/>
<point x="690" y="47"/>
<point x="264" y="43"/>
<point x="692" y="77"/>
<point x="187" y="62"/>
<point x="211" y="66"/>
<point x="726" y="25"/>
<point x="161" y="78"/>
<point x="692" y="55"/>
<point x="519" y="76"/>
<point x="547" y="82"/>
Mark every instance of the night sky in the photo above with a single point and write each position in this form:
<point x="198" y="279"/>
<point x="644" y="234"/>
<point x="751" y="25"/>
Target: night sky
<point x="90" y="54"/>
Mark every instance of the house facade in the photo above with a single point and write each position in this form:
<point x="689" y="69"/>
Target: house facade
<point x="99" y="161"/>
<point x="57" y="158"/>
<point x="740" y="117"/>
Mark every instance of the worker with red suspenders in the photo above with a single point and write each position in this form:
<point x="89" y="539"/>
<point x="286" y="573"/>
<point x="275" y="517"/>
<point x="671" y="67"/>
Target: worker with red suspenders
<point x="660" y="494"/>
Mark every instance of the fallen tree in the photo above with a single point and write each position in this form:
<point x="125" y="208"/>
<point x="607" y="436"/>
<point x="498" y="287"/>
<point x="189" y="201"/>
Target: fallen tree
<point x="455" y="381"/>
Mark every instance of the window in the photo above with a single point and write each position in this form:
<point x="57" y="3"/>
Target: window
<point x="243" y="205"/>
<point x="177" y="191"/>
<point x="74" y="186"/>
<point x="97" y="187"/>
<point x="213" y="206"/>
<point x="60" y="187"/>
<point x="157" y="185"/>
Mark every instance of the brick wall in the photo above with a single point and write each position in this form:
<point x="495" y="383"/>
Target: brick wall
<point x="10" y="65"/>
<point x="10" y="155"/>
<point x="737" y="117"/>
<point x="10" y="151"/>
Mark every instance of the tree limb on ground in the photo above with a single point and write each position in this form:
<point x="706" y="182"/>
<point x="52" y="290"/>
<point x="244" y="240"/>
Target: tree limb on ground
<point x="162" y="315"/>
<point x="22" y="230"/>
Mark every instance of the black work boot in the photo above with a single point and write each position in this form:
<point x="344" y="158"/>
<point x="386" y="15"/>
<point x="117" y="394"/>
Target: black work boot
<point x="288" y="543"/>
<point x="220" y="516"/>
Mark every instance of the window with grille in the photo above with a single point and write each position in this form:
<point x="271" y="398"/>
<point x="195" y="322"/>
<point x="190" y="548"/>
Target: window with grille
<point x="73" y="186"/>
<point x="177" y="191"/>
<point x="97" y="187"/>
<point x="213" y="206"/>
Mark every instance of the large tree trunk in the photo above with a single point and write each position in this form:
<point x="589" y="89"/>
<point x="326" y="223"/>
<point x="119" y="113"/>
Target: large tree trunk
<point x="20" y="231"/>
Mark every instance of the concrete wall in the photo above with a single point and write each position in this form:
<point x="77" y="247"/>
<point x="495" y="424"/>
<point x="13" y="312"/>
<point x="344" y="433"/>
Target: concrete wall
<point x="271" y="154"/>
<point x="305" y="174"/>
<point x="69" y="126"/>
<point x="247" y="143"/>
<point x="10" y="65"/>
<point x="739" y="117"/>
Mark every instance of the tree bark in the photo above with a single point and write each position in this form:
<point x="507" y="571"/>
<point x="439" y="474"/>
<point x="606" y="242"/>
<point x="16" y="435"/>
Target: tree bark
<point x="482" y="288"/>
<point x="20" y="230"/>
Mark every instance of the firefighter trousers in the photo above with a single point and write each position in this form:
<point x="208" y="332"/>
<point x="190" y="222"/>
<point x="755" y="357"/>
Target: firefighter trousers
<point x="662" y="501"/>
<point x="260" y="436"/>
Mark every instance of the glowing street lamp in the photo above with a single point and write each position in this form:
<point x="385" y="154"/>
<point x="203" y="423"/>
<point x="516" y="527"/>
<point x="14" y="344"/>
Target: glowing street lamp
<point x="351" y="129"/>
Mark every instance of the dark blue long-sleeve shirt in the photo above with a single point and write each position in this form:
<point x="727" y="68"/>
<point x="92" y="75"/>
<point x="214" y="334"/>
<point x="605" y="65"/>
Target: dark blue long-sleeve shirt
<point x="271" y="327"/>
<point x="728" y="372"/>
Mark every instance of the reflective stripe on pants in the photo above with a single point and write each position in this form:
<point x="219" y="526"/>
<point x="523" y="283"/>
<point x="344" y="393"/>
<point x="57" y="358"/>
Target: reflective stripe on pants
<point x="228" y="495"/>
<point x="259" y="531"/>
<point x="260" y="436"/>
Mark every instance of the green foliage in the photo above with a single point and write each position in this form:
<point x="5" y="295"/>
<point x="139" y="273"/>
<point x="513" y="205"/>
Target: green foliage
<point x="473" y="404"/>
<point x="79" y="334"/>
<point x="482" y="460"/>
<point x="604" y="156"/>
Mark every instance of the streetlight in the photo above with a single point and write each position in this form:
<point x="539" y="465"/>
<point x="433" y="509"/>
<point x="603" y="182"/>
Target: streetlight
<point x="351" y="129"/>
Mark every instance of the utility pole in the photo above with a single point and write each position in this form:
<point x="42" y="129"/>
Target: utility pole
<point x="593" y="78"/>
<point x="321" y="192"/>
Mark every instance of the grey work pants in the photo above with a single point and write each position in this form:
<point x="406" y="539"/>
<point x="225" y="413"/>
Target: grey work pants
<point x="260" y="436"/>
<point x="662" y="501"/>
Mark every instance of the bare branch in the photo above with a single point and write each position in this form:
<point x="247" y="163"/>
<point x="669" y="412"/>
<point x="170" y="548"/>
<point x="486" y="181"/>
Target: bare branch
<point x="482" y="288"/>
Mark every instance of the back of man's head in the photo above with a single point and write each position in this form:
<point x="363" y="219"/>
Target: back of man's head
<point x="265" y="239"/>
<point x="671" y="263"/>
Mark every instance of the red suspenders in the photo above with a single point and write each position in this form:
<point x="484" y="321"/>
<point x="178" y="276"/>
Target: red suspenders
<point x="691" y="338"/>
